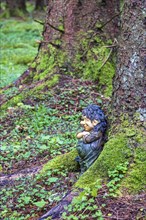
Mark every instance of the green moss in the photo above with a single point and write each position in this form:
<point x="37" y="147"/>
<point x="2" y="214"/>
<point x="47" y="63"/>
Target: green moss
<point x="48" y="62"/>
<point x="22" y="96"/>
<point x="120" y="149"/>
<point x="54" y="80"/>
<point x="65" y="161"/>
<point x="136" y="177"/>
<point x="94" y="63"/>
<point x="106" y="77"/>
<point x="115" y="151"/>
<point x="47" y="84"/>
<point x="45" y="65"/>
<point x="61" y="27"/>
<point x="12" y="102"/>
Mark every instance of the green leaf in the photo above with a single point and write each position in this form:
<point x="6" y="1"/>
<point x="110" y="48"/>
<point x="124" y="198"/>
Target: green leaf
<point x="99" y="101"/>
<point x="53" y="179"/>
<point x="26" y="199"/>
<point x="40" y="204"/>
<point x="43" y="147"/>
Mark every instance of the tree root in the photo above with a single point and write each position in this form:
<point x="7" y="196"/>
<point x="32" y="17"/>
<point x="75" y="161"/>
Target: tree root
<point x="9" y="179"/>
<point x="55" y="212"/>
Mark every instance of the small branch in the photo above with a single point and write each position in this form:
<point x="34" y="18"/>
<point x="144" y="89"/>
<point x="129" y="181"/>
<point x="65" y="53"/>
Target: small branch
<point x="106" y="59"/>
<point x="55" y="28"/>
<point x="115" y="41"/>
<point x="109" y="20"/>
<point x="55" y="45"/>
<point x="40" y="22"/>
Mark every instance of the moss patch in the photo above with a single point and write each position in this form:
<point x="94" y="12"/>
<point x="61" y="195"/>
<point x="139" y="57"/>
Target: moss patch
<point x="47" y="62"/>
<point x="65" y="161"/>
<point x="13" y="101"/>
<point x="95" y="62"/>
<point x="53" y="80"/>
<point x="115" y="152"/>
<point x="136" y="177"/>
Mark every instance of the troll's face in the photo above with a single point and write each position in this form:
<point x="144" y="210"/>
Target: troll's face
<point x="88" y="124"/>
<point x="93" y="118"/>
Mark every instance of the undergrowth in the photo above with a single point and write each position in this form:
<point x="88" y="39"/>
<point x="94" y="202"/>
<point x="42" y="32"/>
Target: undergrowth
<point x="36" y="135"/>
<point x="36" y="132"/>
<point x="19" y="43"/>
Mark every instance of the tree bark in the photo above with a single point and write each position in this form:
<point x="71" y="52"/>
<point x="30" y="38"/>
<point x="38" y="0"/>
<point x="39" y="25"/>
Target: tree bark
<point x="70" y="21"/>
<point x="76" y="17"/>
<point x="128" y="95"/>
<point x="39" y="4"/>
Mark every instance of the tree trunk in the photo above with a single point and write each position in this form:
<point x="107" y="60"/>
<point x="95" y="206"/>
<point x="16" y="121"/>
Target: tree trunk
<point x="14" y="6"/>
<point x="71" y="29"/>
<point x="128" y="95"/>
<point x="39" y="4"/>
<point x="79" y="16"/>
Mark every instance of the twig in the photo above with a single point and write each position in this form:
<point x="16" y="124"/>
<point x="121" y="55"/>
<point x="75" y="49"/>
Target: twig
<point x="55" y="28"/>
<point x="106" y="59"/>
<point x="55" y="45"/>
<point x="115" y="41"/>
<point x="109" y="20"/>
<point x="40" y="22"/>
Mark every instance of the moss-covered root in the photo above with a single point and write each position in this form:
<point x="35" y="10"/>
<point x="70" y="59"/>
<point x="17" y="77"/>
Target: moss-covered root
<point x="117" y="151"/>
<point x="136" y="176"/>
<point x="120" y="149"/>
<point x="65" y="161"/>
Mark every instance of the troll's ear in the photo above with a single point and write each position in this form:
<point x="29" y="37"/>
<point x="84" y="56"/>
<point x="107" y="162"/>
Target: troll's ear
<point x="95" y="122"/>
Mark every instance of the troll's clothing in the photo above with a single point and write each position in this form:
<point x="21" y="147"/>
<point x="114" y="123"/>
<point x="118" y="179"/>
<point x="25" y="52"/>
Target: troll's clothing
<point x="89" y="149"/>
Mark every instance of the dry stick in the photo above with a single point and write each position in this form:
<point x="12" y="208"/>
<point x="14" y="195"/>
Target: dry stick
<point x="40" y="22"/>
<point x="55" y="28"/>
<point x="106" y="60"/>
<point x="109" y="20"/>
<point x="107" y="217"/>
<point x="108" y="55"/>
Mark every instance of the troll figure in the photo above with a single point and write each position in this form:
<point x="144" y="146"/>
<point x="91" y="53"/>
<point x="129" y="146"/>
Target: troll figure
<point x="92" y="138"/>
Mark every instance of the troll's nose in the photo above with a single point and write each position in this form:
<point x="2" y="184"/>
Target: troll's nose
<point x="82" y="122"/>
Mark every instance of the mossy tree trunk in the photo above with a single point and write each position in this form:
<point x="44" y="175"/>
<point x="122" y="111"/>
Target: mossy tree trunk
<point x="66" y="20"/>
<point x="127" y="140"/>
<point x="71" y="29"/>
<point x="128" y="94"/>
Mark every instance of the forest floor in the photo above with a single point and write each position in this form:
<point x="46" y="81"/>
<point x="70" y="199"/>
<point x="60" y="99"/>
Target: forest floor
<point x="37" y="130"/>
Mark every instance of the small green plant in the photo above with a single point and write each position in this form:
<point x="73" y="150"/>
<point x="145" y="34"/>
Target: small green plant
<point x="115" y="177"/>
<point x="83" y="206"/>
